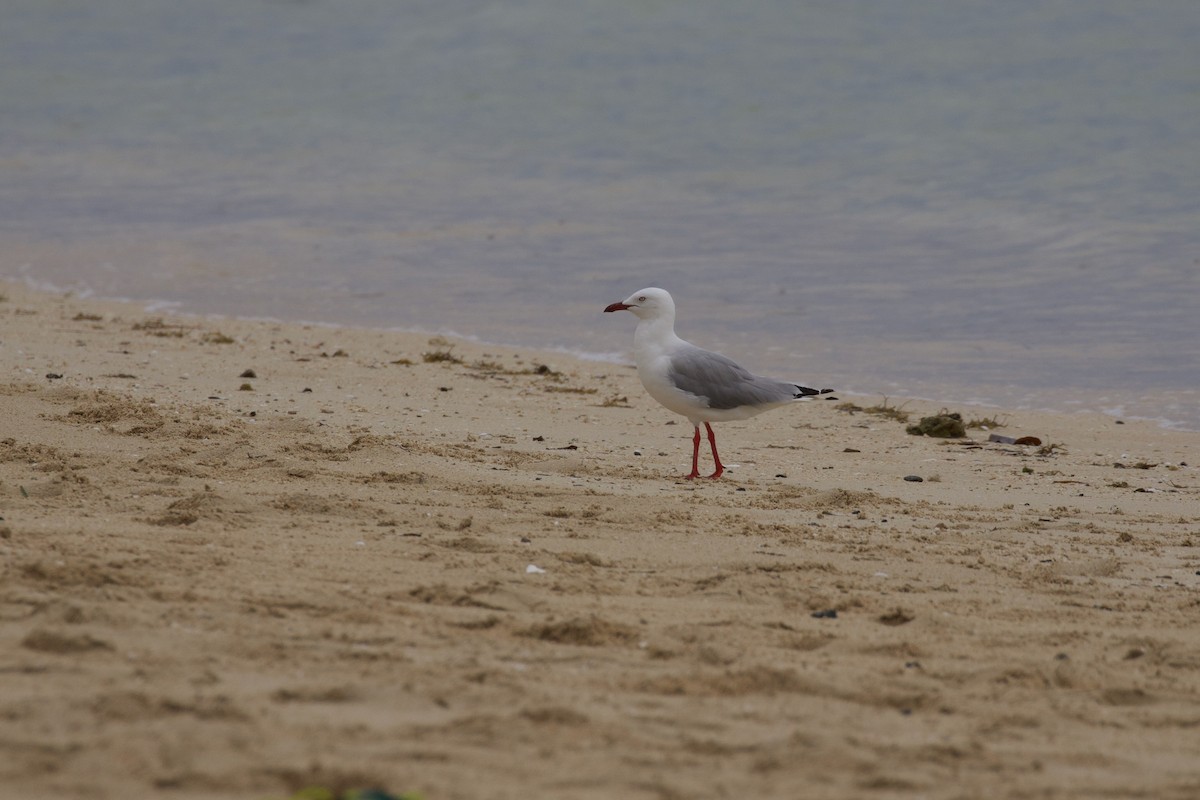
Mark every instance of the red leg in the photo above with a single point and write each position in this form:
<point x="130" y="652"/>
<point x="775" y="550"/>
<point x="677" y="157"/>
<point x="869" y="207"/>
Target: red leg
<point x="695" y="473"/>
<point x="712" y="442"/>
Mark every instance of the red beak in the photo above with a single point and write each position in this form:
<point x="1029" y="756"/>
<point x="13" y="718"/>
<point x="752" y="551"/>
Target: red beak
<point x="617" y="307"/>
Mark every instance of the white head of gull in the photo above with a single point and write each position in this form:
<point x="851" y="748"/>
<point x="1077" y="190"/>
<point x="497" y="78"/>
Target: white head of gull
<point x="701" y="385"/>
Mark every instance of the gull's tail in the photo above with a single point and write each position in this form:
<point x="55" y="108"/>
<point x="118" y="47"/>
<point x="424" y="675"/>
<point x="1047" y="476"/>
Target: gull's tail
<point x="804" y="391"/>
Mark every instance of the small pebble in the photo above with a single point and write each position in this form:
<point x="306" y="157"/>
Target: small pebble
<point x="249" y="374"/>
<point x="829" y="613"/>
<point x="914" y="478"/>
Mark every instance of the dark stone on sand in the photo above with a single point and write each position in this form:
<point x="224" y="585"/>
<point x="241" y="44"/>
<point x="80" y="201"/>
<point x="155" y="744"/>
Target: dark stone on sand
<point x="1024" y="440"/>
<point x="914" y="479"/>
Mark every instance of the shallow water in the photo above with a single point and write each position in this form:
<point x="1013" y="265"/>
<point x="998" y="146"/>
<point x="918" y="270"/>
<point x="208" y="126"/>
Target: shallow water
<point x="962" y="201"/>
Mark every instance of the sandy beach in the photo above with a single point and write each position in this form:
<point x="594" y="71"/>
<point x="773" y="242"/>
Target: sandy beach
<point x="240" y="558"/>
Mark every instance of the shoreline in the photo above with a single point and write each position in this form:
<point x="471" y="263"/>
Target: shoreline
<point x="617" y="358"/>
<point x="243" y="557"/>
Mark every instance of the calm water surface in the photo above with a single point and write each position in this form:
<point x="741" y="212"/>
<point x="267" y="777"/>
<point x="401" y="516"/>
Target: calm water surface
<point x="967" y="201"/>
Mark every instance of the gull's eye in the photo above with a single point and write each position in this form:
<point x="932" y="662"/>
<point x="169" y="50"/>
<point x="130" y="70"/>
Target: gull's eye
<point x="642" y="299"/>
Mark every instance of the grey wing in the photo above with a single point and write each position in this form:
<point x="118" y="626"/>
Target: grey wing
<point x="724" y="383"/>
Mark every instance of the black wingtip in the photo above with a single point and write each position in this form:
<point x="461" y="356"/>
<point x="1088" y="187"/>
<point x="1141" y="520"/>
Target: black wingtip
<point x="804" y="391"/>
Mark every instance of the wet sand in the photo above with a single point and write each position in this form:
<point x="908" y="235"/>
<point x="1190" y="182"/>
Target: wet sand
<point x="240" y="558"/>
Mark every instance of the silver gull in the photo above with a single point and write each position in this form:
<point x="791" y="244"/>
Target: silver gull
<point x="701" y="385"/>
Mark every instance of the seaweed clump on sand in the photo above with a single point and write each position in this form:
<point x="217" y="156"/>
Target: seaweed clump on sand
<point x="946" y="425"/>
